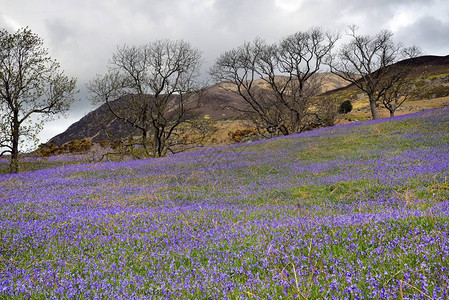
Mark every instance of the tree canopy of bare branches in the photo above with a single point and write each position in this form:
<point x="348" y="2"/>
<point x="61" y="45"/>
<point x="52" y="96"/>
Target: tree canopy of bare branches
<point x="400" y="88"/>
<point x="366" y="61"/>
<point x="286" y="69"/>
<point x="32" y="90"/>
<point x="158" y="81"/>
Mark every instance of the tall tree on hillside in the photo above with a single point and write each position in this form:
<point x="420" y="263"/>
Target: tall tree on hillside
<point x="237" y="70"/>
<point x="366" y="61"/>
<point x="282" y="105"/>
<point x="401" y="90"/>
<point x="32" y="90"/>
<point x="290" y="70"/>
<point x="158" y="81"/>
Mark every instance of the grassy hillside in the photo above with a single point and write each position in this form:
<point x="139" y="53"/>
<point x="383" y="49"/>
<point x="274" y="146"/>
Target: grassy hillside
<point x="430" y="76"/>
<point x="347" y="212"/>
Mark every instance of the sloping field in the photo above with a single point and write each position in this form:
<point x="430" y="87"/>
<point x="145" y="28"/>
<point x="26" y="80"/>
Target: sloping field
<point x="352" y="211"/>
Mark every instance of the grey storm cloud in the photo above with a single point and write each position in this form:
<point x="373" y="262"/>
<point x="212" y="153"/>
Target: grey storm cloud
<point x="429" y="33"/>
<point x="82" y="35"/>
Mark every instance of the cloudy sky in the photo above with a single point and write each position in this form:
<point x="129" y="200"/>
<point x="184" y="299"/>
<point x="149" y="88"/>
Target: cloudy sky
<point x="83" y="34"/>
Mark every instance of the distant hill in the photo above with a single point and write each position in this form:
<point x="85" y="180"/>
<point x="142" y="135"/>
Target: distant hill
<point x="216" y="104"/>
<point x="427" y="61"/>
<point x="100" y="124"/>
<point x="425" y="67"/>
<point x="431" y="75"/>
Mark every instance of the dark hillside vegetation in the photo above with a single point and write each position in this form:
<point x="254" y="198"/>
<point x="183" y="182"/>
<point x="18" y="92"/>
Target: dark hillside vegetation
<point x="424" y="67"/>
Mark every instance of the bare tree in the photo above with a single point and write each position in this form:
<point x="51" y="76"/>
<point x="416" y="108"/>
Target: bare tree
<point x="159" y="81"/>
<point x="236" y="71"/>
<point x="290" y="70"/>
<point x="365" y="62"/>
<point x="287" y="70"/>
<point x="32" y="90"/>
<point x="401" y="89"/>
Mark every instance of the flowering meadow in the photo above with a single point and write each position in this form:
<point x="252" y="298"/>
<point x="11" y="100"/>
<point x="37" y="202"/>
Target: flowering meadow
<point x="32" y="163"/>
<point x="356" y="211"/>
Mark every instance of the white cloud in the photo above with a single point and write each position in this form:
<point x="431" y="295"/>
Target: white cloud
<point x="402" y="19"/>
<point x="8" y="22"/>
<point x="288" y="5"/>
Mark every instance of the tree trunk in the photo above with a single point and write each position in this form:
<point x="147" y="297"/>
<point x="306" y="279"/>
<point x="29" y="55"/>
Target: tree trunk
<point x="157" y="143"/>
<point x="145" y="142"/>
<point x="283" y="130"/>
<point x="391" y="113"/>
<point x="373" y="107"/>
<point x="14" y="162"/>
<point x="161" y="146"/>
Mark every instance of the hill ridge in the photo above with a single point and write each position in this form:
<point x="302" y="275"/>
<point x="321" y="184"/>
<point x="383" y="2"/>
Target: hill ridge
<point x="99" y="124"/>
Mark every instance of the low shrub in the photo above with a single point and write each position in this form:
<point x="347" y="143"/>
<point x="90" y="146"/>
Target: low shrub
<point x="345" y="107"/>
<point x="240" y="134"/>
<point x="75" y="146"/>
